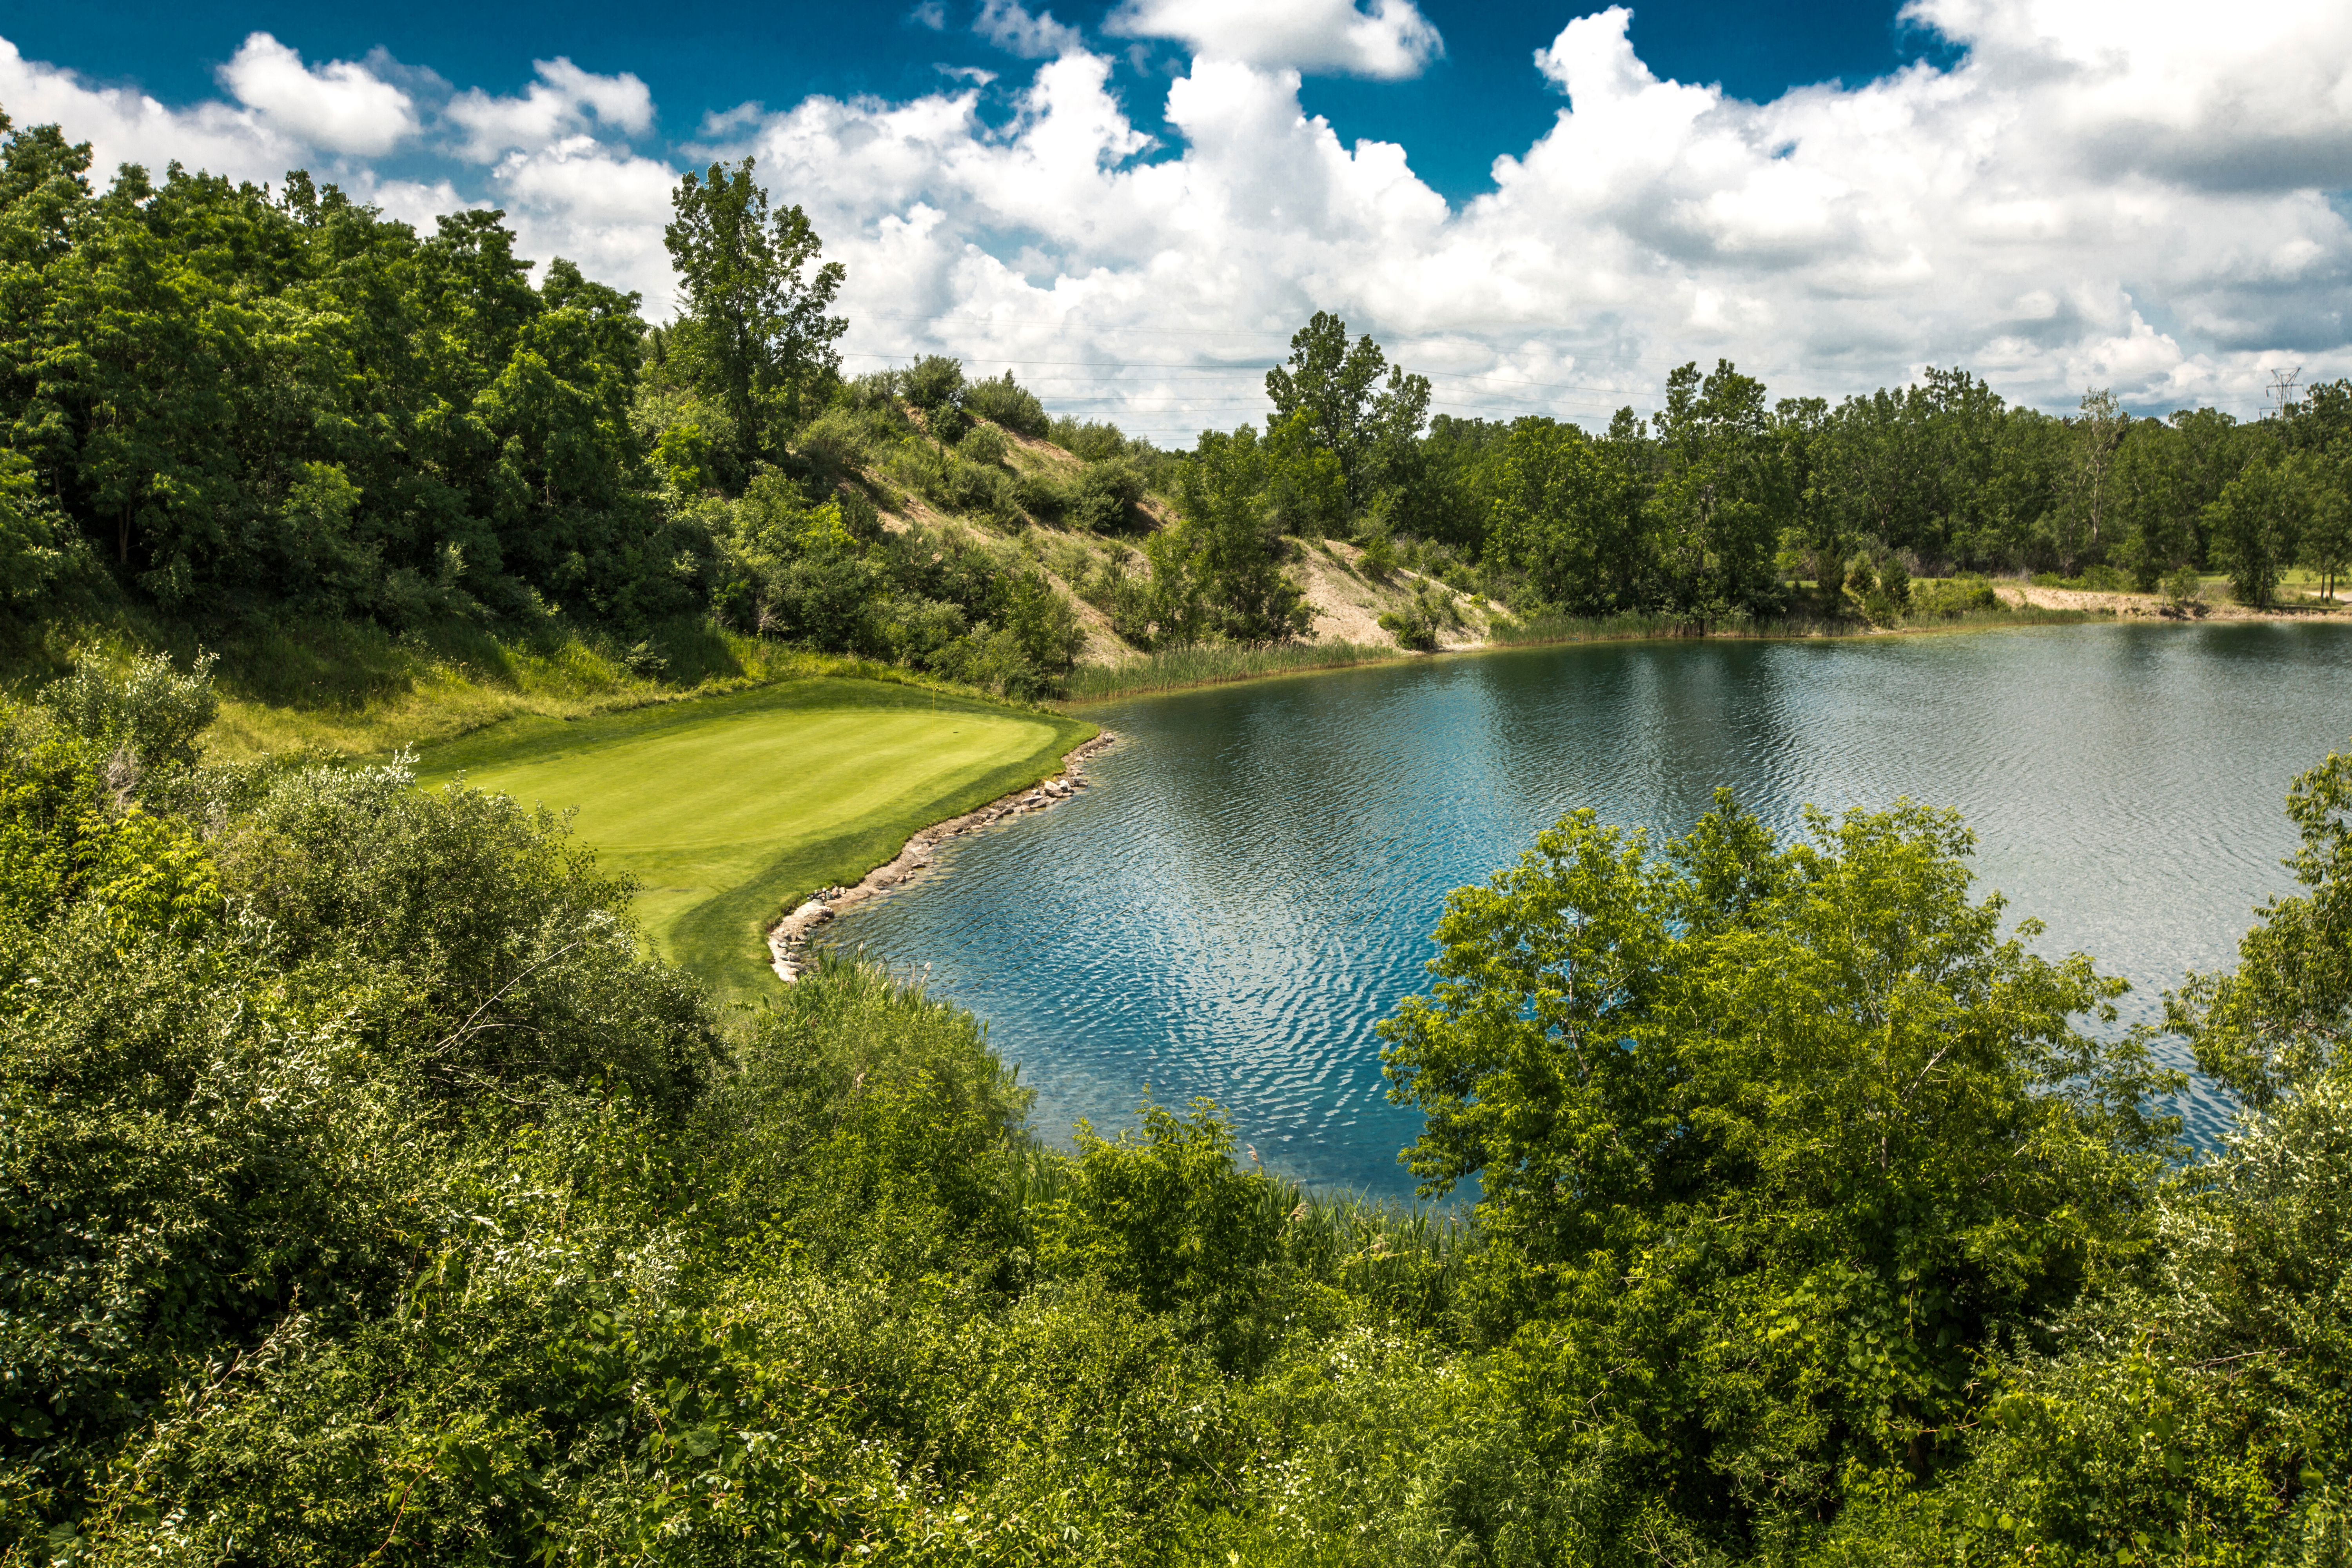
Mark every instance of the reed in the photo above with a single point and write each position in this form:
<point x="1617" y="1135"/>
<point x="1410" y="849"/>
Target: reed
<point x="1210" y="664"/>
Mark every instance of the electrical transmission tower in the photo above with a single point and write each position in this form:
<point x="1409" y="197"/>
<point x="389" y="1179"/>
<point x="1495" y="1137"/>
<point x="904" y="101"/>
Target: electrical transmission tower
<point x="2280" y="393"/>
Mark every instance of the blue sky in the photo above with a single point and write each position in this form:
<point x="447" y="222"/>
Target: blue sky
<point x="1482" y="97"/>
<point x="1132" y="204"/>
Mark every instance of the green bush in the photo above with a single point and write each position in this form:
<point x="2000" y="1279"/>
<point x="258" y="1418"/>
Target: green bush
<point x="1009" y="404"/>
<point x="1106" y="498"/>
<point x="1166" y="1216"/>
<point x="932" y="383"/>
<point x="150" y="712"/>
<point x="1092" y="439"/>
<point x="1041" y="495"/>
<point x="983" y="445"/>
<point x="1951" y="597"/>
<point x="1416" y="626"/>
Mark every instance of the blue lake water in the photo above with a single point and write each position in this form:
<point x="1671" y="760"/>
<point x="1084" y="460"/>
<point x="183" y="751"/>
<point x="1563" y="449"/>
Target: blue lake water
<point x="1251" y="884"/>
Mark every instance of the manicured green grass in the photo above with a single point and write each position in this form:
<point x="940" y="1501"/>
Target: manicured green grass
<point x="728" y="808"/>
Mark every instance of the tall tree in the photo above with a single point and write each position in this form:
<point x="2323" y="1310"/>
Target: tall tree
<point x="2098" y="430"/>
<point x="1233" y="542"/>
<point x="1336" y="386"/>
<point x="1723" y="496"/>
<point x="1773" y="1143"/>
<point x="2327" y="532"/>
<point x="2256" y="525"/>
<point x="758" y="306"/>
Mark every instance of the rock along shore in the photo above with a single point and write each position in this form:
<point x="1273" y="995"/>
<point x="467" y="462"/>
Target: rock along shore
<point x="789" y="938"/>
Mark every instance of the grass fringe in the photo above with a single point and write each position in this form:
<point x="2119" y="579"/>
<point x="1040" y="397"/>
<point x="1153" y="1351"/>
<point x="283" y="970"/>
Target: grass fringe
<point x="1212" y="664"/>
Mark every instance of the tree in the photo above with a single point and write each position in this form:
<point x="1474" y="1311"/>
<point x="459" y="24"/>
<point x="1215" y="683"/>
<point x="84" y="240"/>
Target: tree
<point x="1334" y="385"/>
<point x="2328" y="530"/>
<point x="1723" y="496"/>
<point x="760" y="312"/>
<point x="1773" y="1141"/>
<point x="1231" y="538"/>
<point x="2256" y="525"/>
<point x="1568" y="513"/>
<point x="2098" y="431"/>
<point x="2284" y="1015"/>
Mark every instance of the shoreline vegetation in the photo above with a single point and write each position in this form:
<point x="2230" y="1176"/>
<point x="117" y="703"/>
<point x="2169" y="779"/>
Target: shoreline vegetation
<point x="1183" y="669"/>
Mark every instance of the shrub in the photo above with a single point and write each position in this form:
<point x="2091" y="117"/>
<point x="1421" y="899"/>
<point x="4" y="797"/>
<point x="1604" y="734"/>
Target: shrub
<point x="150" y="713"/>
<point x="2183" y="588"/>
<point x="1415" y="626"/>
<point x="984" y="445"/>
<point x="1104" y="498"/>
<point x="1954" y="597"/>
<point x="1041" y="495"/>
<point x="932" y="383"/>
<point x="1092" y="439"/>
<point x="1165" y="1215"/>
<point x="1895" y="582"/>
<point x="1009" y="404"/>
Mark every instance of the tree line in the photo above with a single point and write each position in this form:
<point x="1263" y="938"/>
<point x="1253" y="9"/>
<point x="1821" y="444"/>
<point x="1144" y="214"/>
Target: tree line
<point x="1727" y="502"/>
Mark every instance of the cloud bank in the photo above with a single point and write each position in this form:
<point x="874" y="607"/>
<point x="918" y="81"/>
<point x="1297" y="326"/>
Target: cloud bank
<point x="2094" y="195"/>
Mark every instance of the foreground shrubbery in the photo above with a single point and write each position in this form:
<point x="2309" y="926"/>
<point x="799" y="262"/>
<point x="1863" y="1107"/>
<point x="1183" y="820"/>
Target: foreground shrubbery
<point x="370" y="1197"/>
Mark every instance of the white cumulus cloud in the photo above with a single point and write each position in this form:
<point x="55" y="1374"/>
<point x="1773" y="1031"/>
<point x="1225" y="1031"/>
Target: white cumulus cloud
<point x="1004" y="24"/>
<point x="338" y="107"/>
<point x="1391" y="41"/>
<point x="560" y="105"/>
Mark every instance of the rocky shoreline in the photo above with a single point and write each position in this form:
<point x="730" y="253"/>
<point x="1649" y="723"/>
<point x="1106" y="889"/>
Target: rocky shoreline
<point x="789" y="938"/>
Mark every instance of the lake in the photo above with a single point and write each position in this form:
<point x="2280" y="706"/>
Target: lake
<point x="1251" y="885"/>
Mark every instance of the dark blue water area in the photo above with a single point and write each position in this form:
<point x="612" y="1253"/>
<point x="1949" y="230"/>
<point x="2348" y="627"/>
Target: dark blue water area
<point x="1251" y="885"/>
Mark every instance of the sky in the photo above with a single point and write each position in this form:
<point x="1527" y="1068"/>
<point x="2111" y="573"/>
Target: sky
<point x="1133" y="203"/>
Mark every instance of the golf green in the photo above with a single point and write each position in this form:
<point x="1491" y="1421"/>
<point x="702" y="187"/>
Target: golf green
<point x="726" y="808"/>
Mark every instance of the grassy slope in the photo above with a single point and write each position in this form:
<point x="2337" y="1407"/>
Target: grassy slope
<point x="728" y="808"/>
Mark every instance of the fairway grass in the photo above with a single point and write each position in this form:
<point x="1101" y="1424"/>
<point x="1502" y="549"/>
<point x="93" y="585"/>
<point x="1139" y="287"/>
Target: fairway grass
<point x="726" y="809"/>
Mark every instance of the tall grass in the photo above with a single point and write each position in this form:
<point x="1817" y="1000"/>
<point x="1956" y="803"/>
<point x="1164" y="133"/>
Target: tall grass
<point x="1210" y="664"/>
<point x="1561" y="628"/>
<point x="2007" y="615"/>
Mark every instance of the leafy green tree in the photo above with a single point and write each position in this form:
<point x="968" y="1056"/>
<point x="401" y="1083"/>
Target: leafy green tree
<point x="1568" y="513"/>
<point x="1773" y="1142"/>
<point x="2256" y="526"/>
<point x="1337" y="387"/>
<point x="1234" y="544"/>
<point x="2328" y="530"/>
<point x="29" y="556"/>
<point x="1723" y="494"/>
<point x="2098" y="432"/>
<point x="1304" y="483"/>
<point x="2282" y="1016"/>
<point x="759" y="308"/>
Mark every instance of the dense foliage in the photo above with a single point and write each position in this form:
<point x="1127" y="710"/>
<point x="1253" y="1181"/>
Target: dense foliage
<point x="370" y="1197"/>
<point x="237" y="409"/>
<point x="1724" y="504"/>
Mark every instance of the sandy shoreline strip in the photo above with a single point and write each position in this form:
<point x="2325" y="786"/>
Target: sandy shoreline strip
<point x="789" y="938"/>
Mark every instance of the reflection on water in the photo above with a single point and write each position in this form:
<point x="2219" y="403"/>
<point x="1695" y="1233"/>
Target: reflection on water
<point x="1252" y="884"/>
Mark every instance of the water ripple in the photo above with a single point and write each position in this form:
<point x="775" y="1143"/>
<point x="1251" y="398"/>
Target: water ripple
<point x="1252" y="886"/>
